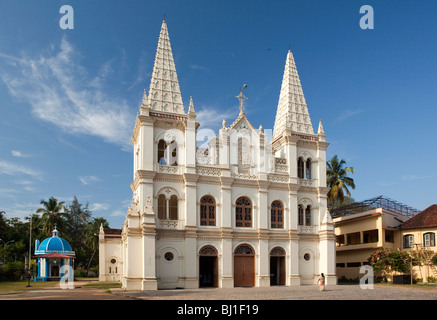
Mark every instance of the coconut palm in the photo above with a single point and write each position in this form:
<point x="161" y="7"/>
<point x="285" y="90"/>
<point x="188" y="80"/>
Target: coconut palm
<point x="337" y="180"/>
<point x="53" y="214"/>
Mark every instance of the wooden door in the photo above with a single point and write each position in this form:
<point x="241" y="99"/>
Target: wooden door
<point x="244" y="267"/>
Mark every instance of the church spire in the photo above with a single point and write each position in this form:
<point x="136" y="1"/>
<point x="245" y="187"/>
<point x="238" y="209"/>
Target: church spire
<point x="164" y="92"/>
<point x="292" y="112"/>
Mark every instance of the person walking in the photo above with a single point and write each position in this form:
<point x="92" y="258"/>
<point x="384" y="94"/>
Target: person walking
<point x="321" y="282"/>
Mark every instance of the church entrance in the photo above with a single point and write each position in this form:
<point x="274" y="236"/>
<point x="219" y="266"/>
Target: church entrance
<point x="244" y="266"/>
<point x="277" y="267"/>
<point x="208" y="267"/>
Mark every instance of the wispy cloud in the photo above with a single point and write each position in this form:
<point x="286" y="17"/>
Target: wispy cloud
<point x="349" y="113"/>
<point x="13" y="169"/>
<point x="19" y="154"/>
<point x="88" y="179"/>
<point x="61" y="92"/>
<point x="415" y="177"/>
<point x="99" y="207"/>
<point x="198" y="67"/>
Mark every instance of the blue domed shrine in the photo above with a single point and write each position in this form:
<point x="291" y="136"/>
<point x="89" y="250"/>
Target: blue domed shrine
<point x="52" y="254"/>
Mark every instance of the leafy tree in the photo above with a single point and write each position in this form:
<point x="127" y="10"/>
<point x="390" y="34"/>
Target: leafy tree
<point x="337" y="180"/>
<point x="400" y="261"/>
<point x="77" y="219"/>
<point x="53" y="214"/>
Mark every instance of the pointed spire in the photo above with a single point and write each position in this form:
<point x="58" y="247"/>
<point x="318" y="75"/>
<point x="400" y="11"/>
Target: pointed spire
<point x="320" y="130"/>
<point x="191" y="112"/>
<point x="292" y="112"/>
<point x="164" y="92"/>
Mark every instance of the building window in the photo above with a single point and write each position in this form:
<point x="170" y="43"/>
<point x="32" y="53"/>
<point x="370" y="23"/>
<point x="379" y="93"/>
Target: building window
<point x="300" y="168"/>
<point x="308" y="216"/>
<point x="308" y="169"/>
<point x="207" y="211"/>
<point x="168" y="207"/>
<point x="161" y="152"/>
<point x="162" y="207"/>
<point x="173" y="206"/>
<point x="169" y="256"/>
<point x="429" y="239"/>
<point x="300" y="215"/>
<point x="167" y="153"/>
<point x="243" y="156"/>
<point x="277" y="215"/>
<point x="408" y="241"/>
<point x="243" y="212"/>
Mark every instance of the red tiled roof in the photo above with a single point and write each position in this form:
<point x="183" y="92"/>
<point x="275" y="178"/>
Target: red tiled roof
<point x="111" y="231"/>
<point x="53" y="255"/>
<point x="425" y="219"/>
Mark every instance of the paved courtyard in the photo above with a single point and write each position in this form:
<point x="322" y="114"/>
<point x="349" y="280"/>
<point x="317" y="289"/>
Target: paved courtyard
<point x="337" y="292"/>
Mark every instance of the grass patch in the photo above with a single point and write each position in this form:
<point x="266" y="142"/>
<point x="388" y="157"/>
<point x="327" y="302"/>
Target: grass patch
<point x="20" y="286"/>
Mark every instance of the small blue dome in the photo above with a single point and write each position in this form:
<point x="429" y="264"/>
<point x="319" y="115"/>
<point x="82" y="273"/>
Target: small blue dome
<point x="54" y="244"/>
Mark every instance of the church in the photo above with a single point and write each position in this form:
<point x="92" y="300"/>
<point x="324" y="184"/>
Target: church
<point x="244" y="211"/>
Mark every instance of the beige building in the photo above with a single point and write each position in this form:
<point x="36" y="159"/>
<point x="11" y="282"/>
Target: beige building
<point x="418" y="233"/>
<point x="362" y="227"/>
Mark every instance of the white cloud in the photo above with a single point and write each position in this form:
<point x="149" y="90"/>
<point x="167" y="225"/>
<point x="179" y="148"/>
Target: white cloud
<point x="88" y="179"/>
<point x="349" y="113"/>
<point x="18" y="154"/>
<point x="414" y="177"/>
<point x="198" y="67"/>
<point x="99" y="207"/>
<point x="210" y="118"/>
<point x="13" y="169"/>
<point x="61" y="92"/>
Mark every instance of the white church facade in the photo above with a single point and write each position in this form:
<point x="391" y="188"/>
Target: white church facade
<point x="246" y="211"/>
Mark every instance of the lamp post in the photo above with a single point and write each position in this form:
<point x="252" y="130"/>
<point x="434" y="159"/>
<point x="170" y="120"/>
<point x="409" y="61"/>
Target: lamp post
<point x="4" y="249"/>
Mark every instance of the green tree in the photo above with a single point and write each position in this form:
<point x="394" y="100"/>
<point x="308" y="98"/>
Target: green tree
<point x="53" y="214"/>
<point x="93" y="236"/>
<point x="338" y="180"/>
<point x="77" y="219"/>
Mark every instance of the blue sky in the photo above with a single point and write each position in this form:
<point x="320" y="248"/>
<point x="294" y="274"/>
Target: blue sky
<point x="68" y="98"/>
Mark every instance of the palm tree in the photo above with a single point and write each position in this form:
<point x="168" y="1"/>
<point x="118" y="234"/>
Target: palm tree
<point x="52" y="214"/>
<point x="337" y="180"/>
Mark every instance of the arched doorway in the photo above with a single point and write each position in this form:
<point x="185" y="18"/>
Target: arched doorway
<point x="277" y="267"/>
<point x="208" y="267"/>
<point x="244" y="266"/>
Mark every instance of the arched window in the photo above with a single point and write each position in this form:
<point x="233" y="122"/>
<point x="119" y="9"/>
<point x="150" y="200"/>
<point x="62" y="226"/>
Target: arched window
<point x="162" y="207"/>
<point x="277" y="215"/>
<point x="408" y="240"/>
<point x="300" y="168"/>
<point x="173" y="206"/>
<point x="167" y="154"/>
<point x="161" y="152"/>
<point x="243" y="155"/>
<point x="243" y="212"/>
<point x="300" y="215"/>
<point x="168" y="207"/>
<point x="308" y="216"/>
<point x="207" y="211"/>
<point x="429" y="239"/>
<point x="308" y="169"/>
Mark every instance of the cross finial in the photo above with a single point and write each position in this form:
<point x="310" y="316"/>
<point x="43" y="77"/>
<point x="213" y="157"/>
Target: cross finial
<point x="164" y="16"/>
